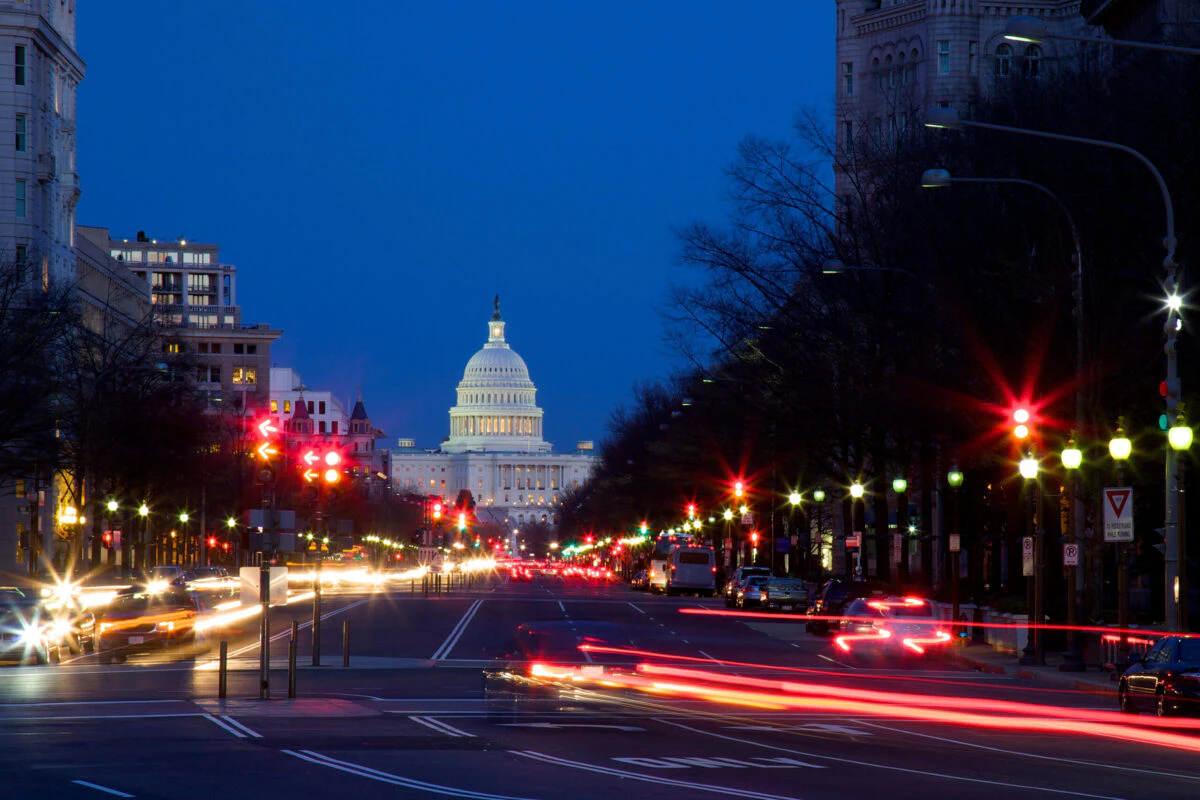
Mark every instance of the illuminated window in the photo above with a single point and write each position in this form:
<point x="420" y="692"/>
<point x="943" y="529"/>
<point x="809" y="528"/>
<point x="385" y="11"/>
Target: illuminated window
<point x="239" y="375"/>
<point x="287" y="406"/>
<point x="171" y="347"/>
<point x="274" y="406"/>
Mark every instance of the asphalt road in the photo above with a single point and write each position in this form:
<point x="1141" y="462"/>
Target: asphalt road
<point x="434" y="703"/>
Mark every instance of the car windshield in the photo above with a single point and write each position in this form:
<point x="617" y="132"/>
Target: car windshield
<point x="142" y="601"/>
<point x="786" y="584"/>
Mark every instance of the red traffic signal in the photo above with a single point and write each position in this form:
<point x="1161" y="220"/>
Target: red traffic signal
<point x="691" y="510"/>
<point x="754" y="539"/>
<point x="739" y="488"/>
<point x="107" y="538"/>
<point x="266" y="430"/>
<point x="437" y="510"/>
<point x="212" y="541"/>
<point x="1021" y="420"/>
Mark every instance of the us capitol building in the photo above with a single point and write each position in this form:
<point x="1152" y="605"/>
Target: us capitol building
<point x="495" y="449"/>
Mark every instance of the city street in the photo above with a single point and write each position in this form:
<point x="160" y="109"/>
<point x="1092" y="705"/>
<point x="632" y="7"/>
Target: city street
<point x="428" y="707"/>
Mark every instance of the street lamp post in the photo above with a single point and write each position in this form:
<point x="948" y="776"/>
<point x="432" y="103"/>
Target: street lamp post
<point x="948" y="118"/>
<point x="900" y="487"/>
<point x="139" y="553"/>
<point x="1120" y="448"/>
<point x="1072" y="457"/>
<point x="801" y="548"/>
<point x="1035" y="650"/>
<point x="857" y="490"/>
<point x="817" y="542"/>
<point x="1032" y="30"/>
<point x="1179" y="436"/>
<point x="111" y="506"/>
<point x="955" y="479"/>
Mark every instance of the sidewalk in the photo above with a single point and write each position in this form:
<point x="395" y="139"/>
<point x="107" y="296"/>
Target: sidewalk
<point x="983" y="658"/>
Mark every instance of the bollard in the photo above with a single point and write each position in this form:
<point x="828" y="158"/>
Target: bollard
<point x="223" y="670"/>
<point x="412" y="587"/>
<point x="292" y="643"/>
<point x="425" y="585"/>
<point x="345" y="643"/>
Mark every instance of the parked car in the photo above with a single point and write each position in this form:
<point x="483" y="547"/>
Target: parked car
<point x="641" y="581"/>
<point x="27" y="631"/>
<point x="140" y="619"/>
<point x="750" y="592"/>
<point x="1166" y="681"/>
<point x="784" y="594"/>
<point x="735" y="581"/>
<point x="834" y="596"/>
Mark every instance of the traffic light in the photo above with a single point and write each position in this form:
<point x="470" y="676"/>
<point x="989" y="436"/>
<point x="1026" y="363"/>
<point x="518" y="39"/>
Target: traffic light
<point x="324" y="463"/>
<point x="437" y="512"/>
<point x="754" y="538"/>
<point x="1170" y="393"/>
<point x="333" y="472"/>
<point x="1020" y="420"/>
<point x="265" y="450"/>
<point x="691" y="510"/>
<point x="212" y="541"/>
<point x="107" y="539"/>
<point x="739" y="489"/>
<point x="462" y="522"/>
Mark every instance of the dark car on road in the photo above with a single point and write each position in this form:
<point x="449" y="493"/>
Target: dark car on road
<point x="641" y="581"/>
<point x="833" y="598"/>
<point x="749" y="593"/>
<point x="1166" y="681"/>
<point x="737" y="578"/>
<point x="140" y="620"/>
<point x="27" y="630"/>
<point x="784" y="594"/>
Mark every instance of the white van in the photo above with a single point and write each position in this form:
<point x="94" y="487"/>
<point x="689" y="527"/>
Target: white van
<point x="692" y="569"/>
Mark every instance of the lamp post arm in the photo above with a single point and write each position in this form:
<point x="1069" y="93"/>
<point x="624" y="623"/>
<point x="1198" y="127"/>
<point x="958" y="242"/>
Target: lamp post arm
<point x="1163" y="48"/>
<point x="1169" y="241"/>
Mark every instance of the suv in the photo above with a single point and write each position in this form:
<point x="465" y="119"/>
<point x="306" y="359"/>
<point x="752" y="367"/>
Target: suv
<point x="738" y="577"/>
<point x="834" y="596"/>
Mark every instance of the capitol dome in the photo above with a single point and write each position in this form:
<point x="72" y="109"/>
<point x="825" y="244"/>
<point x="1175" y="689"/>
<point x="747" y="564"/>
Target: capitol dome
<point x="497" y="401"/>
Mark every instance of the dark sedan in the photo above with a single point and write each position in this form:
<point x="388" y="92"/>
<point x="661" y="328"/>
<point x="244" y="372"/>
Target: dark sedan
<point x="1166" y="681"/>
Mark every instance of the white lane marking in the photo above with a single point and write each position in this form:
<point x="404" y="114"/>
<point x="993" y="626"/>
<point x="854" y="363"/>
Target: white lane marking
<point x="88" y="703"/>
<point x="100" y="788"/>
<point x="832" y="661"/>
<point x="564" y="608"/>
<point x="706" y="655"/>
<point x="1034" y="755"/>
<point x="635" y="608"/>
<point x="906" y="770"/>
<point x="726" y="791"/>
<point x="225" y="726"/>
<point x="457" y="632"/>
<point x="286" y="633"/>
<point x="78" y="717"/>
<point x="241" y="727"/>
<point x="394" y="780"/>
<point x="441" y="727"/>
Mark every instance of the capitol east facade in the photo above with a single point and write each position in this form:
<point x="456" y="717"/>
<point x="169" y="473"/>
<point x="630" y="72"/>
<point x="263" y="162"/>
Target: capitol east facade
<point x="495" y="449"/>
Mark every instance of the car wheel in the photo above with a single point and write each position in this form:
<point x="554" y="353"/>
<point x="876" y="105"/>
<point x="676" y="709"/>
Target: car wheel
<point x="54" y="656"/>
<point x="90" y="645"/>
<point x="1164" y="707"/>
<point x="1124" y="700"/>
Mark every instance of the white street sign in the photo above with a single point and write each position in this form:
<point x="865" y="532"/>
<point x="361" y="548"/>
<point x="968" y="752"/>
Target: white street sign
<point x="1118" y="514"/>
<point x="1070" y="555"/>
<point x="897" y="548"/>
<point x="955" y="543"/>
<point x="1027" y="556"/>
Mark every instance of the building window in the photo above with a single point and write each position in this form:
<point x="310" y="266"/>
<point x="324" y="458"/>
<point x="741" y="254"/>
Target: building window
<point x="216" y="348"/>
<point x="239" y="375"/>
<point x="310" y="406"/>
<point x="847" y="143"/>
<point x="1003" y="61"/>
<point x="943" y="47"/>
<point x="321" y="428"/>
<point x="21" y="129"/>
<point x="287" y="406"/>
<point x="20" y="195"/>
<point x="335" y="427"/>
<point x="239" y="349"/>
<point x="274" y="406"/>
<point x="22" y="254"/>
<point x="848" y="78"/>
<point x="19" y="60"/>
<point x="251" y="349"/>
<point x="1033" y="61"/>
<point x="903" y="70"/>
<point x="973" y="58"/>
<point x="891" y="73"/>
<point x="214" y="375"/>
<point x="321" y="406"/>
<point x="171" y="347"/>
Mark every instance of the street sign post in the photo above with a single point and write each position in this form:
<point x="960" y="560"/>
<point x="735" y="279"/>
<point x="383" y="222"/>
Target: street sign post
<point x="1027" y="556"/>
<point x="955" y="543"/>
<point x="1070" y="554"/>
<point x="1118" y="514"/>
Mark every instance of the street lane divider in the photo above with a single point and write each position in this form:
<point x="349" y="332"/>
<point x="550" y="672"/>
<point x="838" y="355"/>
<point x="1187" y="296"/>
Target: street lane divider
<point x="394" y="780"/>
<point x="442" y="727"/>
<point x="457" y="632"/>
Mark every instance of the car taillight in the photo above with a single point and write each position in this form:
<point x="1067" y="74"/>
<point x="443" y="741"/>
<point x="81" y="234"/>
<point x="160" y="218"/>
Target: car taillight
<point x="106" y="626"/>
<point x="763" y="597"/>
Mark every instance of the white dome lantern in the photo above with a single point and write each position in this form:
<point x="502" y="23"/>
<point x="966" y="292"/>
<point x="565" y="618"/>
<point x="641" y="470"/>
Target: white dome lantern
<point x="497" y="401"/>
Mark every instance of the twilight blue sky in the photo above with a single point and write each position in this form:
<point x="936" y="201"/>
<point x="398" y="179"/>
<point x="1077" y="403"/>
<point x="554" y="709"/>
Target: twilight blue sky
<point x="379" y="169"/>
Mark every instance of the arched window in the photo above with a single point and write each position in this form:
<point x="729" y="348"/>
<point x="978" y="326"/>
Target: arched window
<point x="878" y="74"/>
<point x="1003" y="61"/>
<point x="1033" y="61"/>
<point x="902" y="69"/>
<point x="891" y="74"/>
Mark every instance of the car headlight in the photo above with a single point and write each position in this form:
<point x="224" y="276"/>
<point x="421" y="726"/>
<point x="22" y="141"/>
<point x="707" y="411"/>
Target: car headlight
<point x="30" y="635"/>
<point x="164" y="627"/>
<point x="106" y="626"/>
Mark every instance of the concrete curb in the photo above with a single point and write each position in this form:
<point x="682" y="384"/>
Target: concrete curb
<point x="1053" y="676"/>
